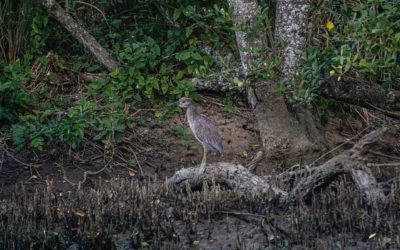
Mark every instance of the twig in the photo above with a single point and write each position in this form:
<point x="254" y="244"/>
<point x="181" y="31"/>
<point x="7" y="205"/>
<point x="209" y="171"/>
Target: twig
<point x="137" y="161"/>
<point x="387" y="164"/>
<point x="212" y="100"/>
<point x="85" y="174"/>
<point x="385" y="112"/>
<point x="384" y="155"/>
<point x="339" y="146"/>
<point x="390" y="181"/>
<point x="240" y="213"/>
<point x="19" y="161"/>
<point x="140" y="167"/>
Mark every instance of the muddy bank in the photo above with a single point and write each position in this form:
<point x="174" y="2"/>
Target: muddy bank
<point x="126" y="213"/>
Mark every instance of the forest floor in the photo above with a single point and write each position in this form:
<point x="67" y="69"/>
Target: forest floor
<point x="159" y="148"/>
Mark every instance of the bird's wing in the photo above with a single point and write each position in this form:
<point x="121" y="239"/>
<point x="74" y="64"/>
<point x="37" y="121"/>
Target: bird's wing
<point x="207" y="133"/>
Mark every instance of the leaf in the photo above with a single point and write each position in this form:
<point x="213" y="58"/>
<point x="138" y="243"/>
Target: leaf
<point x="79" y="213"/>
<point x="177" y="14"/>
<point x="179" y="75"/>
<point x="182" y="56"/>
<point x="164" y="87"/>
<point x="348" y="65"/>
<point x="189" y="31"/>
<point x="197" y="56"/>
<point x="397" y="37"/>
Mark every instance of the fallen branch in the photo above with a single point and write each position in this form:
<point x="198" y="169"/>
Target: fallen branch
<point x="350" y="161"/>
<point x="229" y="175"/>
<point x="240" y="178"/>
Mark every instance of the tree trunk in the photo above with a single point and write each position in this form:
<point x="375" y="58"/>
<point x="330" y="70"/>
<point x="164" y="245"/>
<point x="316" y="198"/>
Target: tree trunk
<point x="80" y="33"/>
<point x="284" y="138"/>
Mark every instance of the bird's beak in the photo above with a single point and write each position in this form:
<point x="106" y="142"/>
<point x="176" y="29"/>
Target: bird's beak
<point x="174" y="104"/>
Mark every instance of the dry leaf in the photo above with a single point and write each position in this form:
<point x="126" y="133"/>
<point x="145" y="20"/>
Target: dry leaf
<point x="79" y="214"/>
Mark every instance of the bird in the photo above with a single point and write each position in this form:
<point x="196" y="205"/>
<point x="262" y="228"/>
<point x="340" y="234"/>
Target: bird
<point x="203" y="129"/>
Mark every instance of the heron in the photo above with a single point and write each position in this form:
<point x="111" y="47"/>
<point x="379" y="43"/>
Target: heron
<point x="202" y="128"/>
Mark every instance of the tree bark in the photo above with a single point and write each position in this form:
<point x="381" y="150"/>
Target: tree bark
<point x="280" y="131"/>
<point x="80" y="33"/>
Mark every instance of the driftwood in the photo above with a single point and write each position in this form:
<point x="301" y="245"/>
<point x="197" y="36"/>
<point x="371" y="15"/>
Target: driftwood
<point x="77" y="31"/>
<point x="239" y="178"/>
<point x="229" y="175"/>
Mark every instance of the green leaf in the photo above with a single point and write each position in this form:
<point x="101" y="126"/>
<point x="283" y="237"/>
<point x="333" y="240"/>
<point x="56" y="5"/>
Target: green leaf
<point x="348" y="65"/>
<point x="177" y="14"/>
<point x="179" y="75"/>
<point x="189" y="31"/>
<point x="37" y="143"/>
<point x="164" y="87"/>
<point x="182" y="56"/>
<point x="197" y="56"/>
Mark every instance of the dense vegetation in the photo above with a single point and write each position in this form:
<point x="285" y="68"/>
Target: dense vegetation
<point x="160" y="46"/>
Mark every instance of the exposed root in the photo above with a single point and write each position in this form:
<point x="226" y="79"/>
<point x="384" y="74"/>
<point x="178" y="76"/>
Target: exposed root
<point x="240" y="178"/>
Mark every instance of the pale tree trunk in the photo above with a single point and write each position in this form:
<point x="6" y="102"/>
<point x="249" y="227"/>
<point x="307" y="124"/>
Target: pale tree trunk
<point x="291" y="26"/>
<point x="80" y="33"/>
<point x="285" y="139"/>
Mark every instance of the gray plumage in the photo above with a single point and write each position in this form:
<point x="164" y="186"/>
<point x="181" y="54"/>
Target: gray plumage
<point x="202" y="128"/>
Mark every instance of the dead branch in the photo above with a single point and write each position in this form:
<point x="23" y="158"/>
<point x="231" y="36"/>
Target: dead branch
<point x="239" y="178"/>
<point x="80" y="33"/>
<point x="350" y="161"/>
<point x="229" y="175"/>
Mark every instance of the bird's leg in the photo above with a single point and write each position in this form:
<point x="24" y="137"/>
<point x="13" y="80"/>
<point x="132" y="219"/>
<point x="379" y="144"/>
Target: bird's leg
<point x="203" y="162"/>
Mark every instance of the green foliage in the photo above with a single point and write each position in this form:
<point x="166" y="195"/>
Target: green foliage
<point x="364" y="40"/>
<point x="157" y="58"/>
<point x="369" y="42"/>
<point x="39" y="32"/>
<point x="147" y="74"/>
<point x="313" y="65"/>
<point x="229" y="107"/>
<point x="41" y="127"/>
<point x="14" y="98"/>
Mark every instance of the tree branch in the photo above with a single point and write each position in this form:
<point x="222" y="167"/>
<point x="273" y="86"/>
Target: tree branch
<point x="359" y="93"/>
<point x="80" y="33"/>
